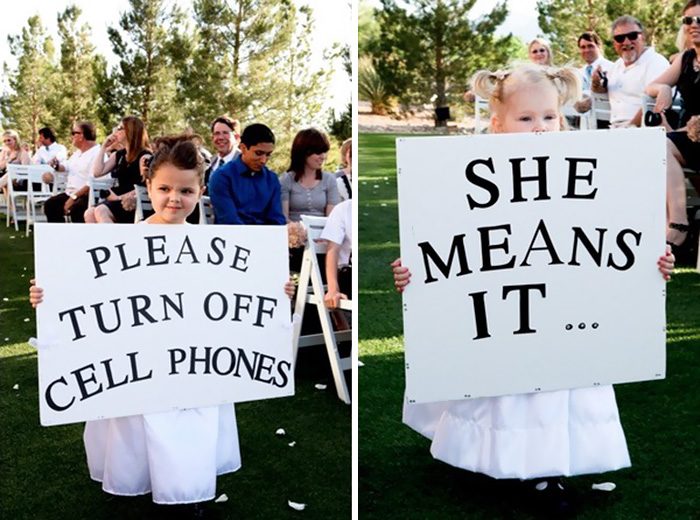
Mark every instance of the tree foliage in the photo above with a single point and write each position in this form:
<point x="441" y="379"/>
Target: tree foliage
<point x="428" y="50"/>
<point x="76" y="80"/>
<point x="251" y="59"/>
<point x="146" y="77"/>
<point x="28" y="105"/>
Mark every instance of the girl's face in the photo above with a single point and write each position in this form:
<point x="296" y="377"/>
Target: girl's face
<point x="539" y="54"/>
<point x="315" y="160"/>
<point x="174" y="194"/>
<point x="692" y="31"/>
<point x="532" y="108"/>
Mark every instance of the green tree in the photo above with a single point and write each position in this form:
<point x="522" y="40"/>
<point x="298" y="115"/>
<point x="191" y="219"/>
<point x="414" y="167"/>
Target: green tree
<point x="428" y="50"/>
<point x="368" y="30"/>
<point x="76" y="80"/>
<point x="235" y="48"/>
<point x="32" y="82"/>
<point x="146" y="78"/>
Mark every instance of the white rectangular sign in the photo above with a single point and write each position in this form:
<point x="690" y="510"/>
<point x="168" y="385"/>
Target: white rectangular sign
<point x="149" y="318"/>
<point x="533" y="261"/>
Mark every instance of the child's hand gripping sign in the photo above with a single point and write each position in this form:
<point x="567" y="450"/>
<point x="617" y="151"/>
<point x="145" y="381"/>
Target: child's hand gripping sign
<point x="139" y="319"/>
<point x="533" y="261"/>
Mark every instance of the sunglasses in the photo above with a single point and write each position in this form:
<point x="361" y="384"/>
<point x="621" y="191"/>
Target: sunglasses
<point x="688" y="20"/>
<point x="538" y="51"/>
<point x="619" y="38"/>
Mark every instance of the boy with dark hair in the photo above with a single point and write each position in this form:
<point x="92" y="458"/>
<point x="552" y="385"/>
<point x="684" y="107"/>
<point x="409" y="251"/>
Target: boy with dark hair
<point x="245" y="191"/>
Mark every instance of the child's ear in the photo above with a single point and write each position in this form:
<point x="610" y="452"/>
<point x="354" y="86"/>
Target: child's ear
<point x="495" y="124"/>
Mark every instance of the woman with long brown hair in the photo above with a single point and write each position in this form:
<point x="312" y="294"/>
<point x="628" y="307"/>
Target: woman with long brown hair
<point x="123" y="166"/>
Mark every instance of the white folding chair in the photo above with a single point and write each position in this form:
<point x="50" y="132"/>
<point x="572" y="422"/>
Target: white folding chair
<point x="36" y="198"/>
<point x="206" y="210"/>
<point x="16" y="173"/>
<point x="311" y="292"/>
<point x="600" y="110"/>
<point x="482" y="113"/>
<point x="144" y="207"/>
<point x="95" y="185"/>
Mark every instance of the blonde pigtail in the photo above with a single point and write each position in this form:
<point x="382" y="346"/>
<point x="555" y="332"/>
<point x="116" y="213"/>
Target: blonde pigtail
<point x="567" y="83"/>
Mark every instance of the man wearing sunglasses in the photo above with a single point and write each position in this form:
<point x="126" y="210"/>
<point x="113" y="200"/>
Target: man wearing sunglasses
<point x="636" y="68"/>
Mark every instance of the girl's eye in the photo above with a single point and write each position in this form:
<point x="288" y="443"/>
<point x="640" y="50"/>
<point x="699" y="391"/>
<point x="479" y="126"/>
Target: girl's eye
<point x="550" y="118"/>
<point x="187" y="191"/>
<point x="525" y="119"/>
<point x="163" y="188"/>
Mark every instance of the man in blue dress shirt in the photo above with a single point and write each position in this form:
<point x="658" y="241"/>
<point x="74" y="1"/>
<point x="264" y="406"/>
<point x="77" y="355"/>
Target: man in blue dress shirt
<point x="245" y="191"/>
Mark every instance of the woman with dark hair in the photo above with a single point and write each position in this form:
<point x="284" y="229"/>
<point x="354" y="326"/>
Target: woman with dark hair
<point x="681" y="150"/>
<point x="306" y="188"/>
<point x="124" y="166"/>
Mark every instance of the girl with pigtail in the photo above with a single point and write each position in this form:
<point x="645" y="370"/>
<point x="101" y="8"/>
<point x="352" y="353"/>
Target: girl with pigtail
<point x="174" y="455"/>
<point x="539" y="437"/>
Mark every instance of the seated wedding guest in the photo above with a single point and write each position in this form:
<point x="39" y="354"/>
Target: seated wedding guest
<point x="344" y="180"/>
<point x="245" y="191"/>
<point x="124" y="166"/>
<point x="540" y="52"/>
<point x="682" y="150"/>
<point x="306" y="188"/>
<point x="48" y="148"/>
<point x="225" y="135"/>
<point x="12" y="153"/>
<point x="636" y="68"/>
<point x="74" y="200"/>
<point x="590" y="46"/>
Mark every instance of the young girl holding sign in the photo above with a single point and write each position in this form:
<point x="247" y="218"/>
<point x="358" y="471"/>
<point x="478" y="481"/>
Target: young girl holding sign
<point x="175" y="455"/>
<point x="537" y="437"/>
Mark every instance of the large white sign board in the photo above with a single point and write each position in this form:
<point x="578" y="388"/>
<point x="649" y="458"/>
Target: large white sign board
<point x="533" y="261"/>
<point x="149" y="318"/>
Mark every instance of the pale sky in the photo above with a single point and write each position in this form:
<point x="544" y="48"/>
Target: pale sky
<point x="333" y="24"/>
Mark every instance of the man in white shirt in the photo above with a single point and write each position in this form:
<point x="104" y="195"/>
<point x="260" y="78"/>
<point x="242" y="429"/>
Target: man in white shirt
<point x="637" y="67"/>
<point x="590" y="46"/>
<point x="79" y="168"/>
<point x="48" y="148"/>
<point x="225" y="135"/>
<point x="338" y="233"/>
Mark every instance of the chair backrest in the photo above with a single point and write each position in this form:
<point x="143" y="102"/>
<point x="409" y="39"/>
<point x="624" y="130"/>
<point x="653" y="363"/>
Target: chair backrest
<point x="97" y="184"/>
<point x="482" y="112"/>
<point x="143" y="204"/>
<point x="206" y="210"/>
<point x="600" y="108"/>
<point x="314" y="227"/>
<point x="648" y="103"/>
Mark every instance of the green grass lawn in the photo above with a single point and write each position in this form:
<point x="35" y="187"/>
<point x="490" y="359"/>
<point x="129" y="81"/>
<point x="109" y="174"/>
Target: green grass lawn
<point x="43" y="473"/>
<point x="398" y="477"/>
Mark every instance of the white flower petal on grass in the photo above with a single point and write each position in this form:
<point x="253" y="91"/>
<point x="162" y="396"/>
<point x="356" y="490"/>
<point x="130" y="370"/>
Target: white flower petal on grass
<point x="360" y="363"/>
<point x="16" y="387"/>
<point x="320" y="386"/>
<point x="604" y="486"/>
<point x="24" y="269"/>
<point x="7" y="339"/>
<point x="292" y="444"/>
<point x="366" y="214"/>
<point x="26" y="320"/>
<point x="222" y="498"/>
<point x="386" y="178"/>
<point x="12" y="237"/>
<point x="297" y="506"/>
<point x="6" y="299"/>
<point x="280" y="431"/>
<point x="376" y="186"/>
<point x="383" y="205"/>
